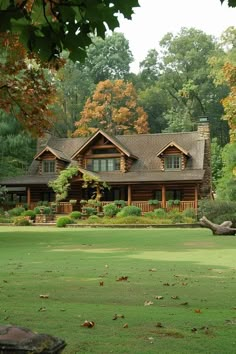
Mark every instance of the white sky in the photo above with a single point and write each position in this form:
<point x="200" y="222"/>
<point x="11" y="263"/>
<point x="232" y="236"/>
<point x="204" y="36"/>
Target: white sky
<point x="154" y="18"/>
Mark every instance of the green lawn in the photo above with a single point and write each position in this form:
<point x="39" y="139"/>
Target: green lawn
<point x="194" y="271"/>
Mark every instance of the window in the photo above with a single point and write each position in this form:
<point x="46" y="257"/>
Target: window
<point x="103" y="165"/>
<point x="173" y="194"/>
<point x="173" y="162"/>
<point x="49" y="166"/>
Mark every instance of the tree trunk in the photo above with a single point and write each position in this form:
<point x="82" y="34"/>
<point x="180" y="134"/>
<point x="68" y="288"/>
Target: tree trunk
<point x="222" y="229"/>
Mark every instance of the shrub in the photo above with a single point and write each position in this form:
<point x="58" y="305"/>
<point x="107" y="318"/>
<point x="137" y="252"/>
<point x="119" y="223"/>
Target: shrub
<point x="176" y="202"/>
<point x="89" y="211"/>
<point x="189" y="213"/>
<point x="218" y="211"/>
<point x="110" y="210"/>
<point x="30" y="213"/>
<point x="37" y="210"/>
<point x="175" y="216"/>
<point x="149" y="214"/>
<point x="21" y="221"/>
<point x="16" y="211"/>
<point x="43" y="203"/>
<point x="160" y="213"/>
<point x="63" y="221"/>
<point x="131" y="210"/>
<point x="47" y="210"/>
<point x="94" y="219"/>
<point x="75" y="215"/>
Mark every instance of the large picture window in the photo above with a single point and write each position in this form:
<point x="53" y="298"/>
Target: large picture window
<point x="103" y="165"/>
<point x="172" y="162"/>
<point x="49" y="166"/>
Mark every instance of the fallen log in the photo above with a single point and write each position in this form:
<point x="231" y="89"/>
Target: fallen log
<point x="222" y="229"/>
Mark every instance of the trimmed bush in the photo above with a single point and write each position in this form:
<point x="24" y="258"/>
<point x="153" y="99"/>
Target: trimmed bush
<point x="110" y="210"/>
<point x="75" y="215"/>
<point x="120" y="203"/>
<point x="30" y="213"/>
<point x="37" y="210"/>
<point x="131" y="210"/>
<point x="63" y="221"/>
<point x="94" y="219"/>
<point x="16" y="211"/>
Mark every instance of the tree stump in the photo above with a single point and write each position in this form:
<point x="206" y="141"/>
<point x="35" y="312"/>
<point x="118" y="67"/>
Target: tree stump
<point x="223" y="229"/>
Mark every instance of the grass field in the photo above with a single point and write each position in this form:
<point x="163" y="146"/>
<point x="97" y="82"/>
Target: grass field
<point x="192" y="270"/>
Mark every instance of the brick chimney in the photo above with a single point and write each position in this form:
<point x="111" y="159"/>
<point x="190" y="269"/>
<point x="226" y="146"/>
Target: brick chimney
<point x="204" y="132"/>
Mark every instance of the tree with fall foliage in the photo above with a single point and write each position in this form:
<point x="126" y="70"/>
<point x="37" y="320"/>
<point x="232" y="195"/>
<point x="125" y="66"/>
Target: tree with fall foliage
<point x="113" y="107"/>
<point x="26" y="90"/>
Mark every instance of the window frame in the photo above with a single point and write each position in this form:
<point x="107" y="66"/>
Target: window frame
<point x="170" y="162"/>
<point x="103" y="164"/>
<point x="49" y="164"/>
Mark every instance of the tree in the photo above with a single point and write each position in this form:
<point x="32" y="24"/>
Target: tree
<point x="113" y="107"/>
<point x="109" y="59"/>
<point x="226" y="186"/>
<point x="17" y="147"/>
<point x="185" y="75"/>
<point x="231" y="3"/>
<point x="25" y="88"/>
<point x="216" y="162"/>
<point x="50" y="26"/>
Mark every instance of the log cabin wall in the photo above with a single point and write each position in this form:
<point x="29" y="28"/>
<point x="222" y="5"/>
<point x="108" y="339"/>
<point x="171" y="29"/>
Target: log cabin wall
<point x="37" y="191"/>
<point x="147" y="191"/>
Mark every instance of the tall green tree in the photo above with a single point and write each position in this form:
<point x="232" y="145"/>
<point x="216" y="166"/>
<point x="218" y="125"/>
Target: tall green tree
<point x="17" y="147"/>
<point x="109" y="59"/>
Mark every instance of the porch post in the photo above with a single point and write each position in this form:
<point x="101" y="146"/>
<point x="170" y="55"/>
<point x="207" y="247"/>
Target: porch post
<point x="196" y="197"/>
<point x="163" y="195"/>
<point x="28" y="196"/>
<point x="129" y="194"/>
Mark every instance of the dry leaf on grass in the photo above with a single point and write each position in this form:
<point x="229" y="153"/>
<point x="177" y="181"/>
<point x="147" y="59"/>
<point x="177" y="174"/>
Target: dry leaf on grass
<point x="175" y="297"/>
<point x="42" y="309"/>
<point x="122" y="278"/>
<point x="152" y="270"/>
<point x="118" y="316"/>
<point x="148" y="303"/>
<point x="159" y="325"/>
<point x="88" y="324"/>
<point x="126" y="325"/>
<point x="159" y="297"/>
<point x="44" y="296"/>
<point x="101" y="283"/>
<point x="197" y="311"/>
<point x="184" y="303"/>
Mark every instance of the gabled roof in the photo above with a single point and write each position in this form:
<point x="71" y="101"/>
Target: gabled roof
<point x="170" y="144"/>
<point x="112" y="139"/>
<point x="57" y="153"/>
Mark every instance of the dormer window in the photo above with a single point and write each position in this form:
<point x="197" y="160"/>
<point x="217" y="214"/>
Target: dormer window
<point x="103" y="165"/>
<point x="172" y="162"/>
<point x="49" y="166"/>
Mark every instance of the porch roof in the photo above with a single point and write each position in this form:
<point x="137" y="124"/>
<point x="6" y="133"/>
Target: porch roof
<point x="116" y="177"/>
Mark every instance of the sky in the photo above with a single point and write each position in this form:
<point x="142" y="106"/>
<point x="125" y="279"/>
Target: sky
<point x="154" y="18"/>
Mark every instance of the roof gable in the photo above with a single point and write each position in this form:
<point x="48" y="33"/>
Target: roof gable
<point x="111" y="139"/>
<point x="57" y="153"/>
<point x="173" y="144"/>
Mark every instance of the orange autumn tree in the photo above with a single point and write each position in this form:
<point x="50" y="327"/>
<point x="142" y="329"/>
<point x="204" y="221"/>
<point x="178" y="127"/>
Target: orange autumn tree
<point x="25" y="86"/>
<point x="113" y="108"/>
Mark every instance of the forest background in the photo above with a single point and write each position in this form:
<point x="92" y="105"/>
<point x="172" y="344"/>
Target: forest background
<point x="192" y="75"/>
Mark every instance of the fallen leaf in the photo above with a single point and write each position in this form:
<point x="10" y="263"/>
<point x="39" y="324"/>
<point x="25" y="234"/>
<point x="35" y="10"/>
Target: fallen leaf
<point x="166" y="284"/>
<point x="159" y="325"/>
<point x="148" y="303"/>
<point x="122" y="278"/>
<point x="159" y="297"/>
<point x="197" y="311"/>
<point x="44" y="296"/>
<point x="184" y="303"/>
<point x="194" y="330"/>
<point x="118" y="316"/>
<point x="152" y="270"/>
<point x="175" y="297"/>
<point x="184" y="284"/>
<point x="126" y="325"/>
<point x="101" y="283"/>
<point x="42" y="309"/>
<point x="88" y="324"/>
